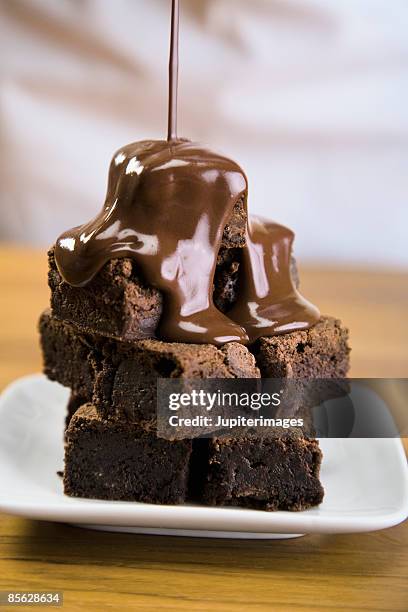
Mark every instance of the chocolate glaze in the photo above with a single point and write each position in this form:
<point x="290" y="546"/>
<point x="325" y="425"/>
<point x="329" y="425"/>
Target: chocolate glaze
<point x="167" y="205"/>
<point x="268" y="301"/>
<point x="173" y="71"/>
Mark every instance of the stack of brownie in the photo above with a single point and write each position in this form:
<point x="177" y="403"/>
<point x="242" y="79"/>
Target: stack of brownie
<point x="99" y="340"/>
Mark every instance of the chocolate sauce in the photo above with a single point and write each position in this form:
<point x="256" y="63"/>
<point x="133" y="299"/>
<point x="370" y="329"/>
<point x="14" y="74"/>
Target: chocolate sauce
<point x="166" y="207"/>
<point x="268" y="301"/>
<point x="173" y="71"/>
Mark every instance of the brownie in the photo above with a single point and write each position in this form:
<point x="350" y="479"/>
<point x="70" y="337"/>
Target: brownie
<point x="265" y="473"/>
<point x="75" y="401"/>
<point x="109" y="459"/>
<point x="128" y="384"/>
<point x="68" y="358"/>
<point x="319" y="352"/>
<point x="121" y="377"/>
<point x="234" y="234"/>
<point x="226" y="279"/>
<point x="120" y="304"/>
<point x="113" y="460"/>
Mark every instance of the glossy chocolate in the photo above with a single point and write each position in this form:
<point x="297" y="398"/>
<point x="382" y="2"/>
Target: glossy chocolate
<point x="167" y="205"/>
<point x="268" y="301"/>
<point x="173" y="71"/>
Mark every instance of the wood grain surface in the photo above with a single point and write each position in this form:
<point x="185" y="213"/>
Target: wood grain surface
<point x="98" y="571"/>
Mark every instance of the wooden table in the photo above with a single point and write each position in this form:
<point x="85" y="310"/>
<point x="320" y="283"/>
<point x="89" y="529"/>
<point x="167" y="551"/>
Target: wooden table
<point x="319" y="572"/>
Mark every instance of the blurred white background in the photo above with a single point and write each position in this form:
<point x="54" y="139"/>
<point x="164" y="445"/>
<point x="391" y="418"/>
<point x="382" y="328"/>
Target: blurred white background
<point x="309" y="96"/>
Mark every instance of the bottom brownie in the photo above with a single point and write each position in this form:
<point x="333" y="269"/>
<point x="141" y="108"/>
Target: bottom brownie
<point x="111" y="460"/>
<point x="114" y="460"/>
<point x="257" y="472"/>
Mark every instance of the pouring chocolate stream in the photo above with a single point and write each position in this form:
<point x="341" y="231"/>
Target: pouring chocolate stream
<point x="167" y="205"/>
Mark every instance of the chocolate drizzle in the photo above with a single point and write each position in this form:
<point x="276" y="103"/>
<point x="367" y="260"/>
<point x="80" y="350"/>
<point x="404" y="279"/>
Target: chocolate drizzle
<point x="268" y="301"/>
<point x="167" y="205"/>
<point x="173" y="71"/>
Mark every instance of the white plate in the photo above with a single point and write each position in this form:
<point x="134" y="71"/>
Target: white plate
<point x="366" y="482"/>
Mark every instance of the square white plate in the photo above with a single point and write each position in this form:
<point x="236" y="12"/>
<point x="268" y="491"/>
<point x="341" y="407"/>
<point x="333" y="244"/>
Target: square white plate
<point x="366" y="482"/>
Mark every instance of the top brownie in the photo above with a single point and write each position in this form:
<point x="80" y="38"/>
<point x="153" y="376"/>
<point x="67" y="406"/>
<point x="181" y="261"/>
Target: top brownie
<point x="118" y="302"/>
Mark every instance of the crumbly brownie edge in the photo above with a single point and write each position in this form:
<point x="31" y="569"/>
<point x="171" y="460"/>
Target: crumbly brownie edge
<point x="319" y="352"/>
<point x="121" y="377"/>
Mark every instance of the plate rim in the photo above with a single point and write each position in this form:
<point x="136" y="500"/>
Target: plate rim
<point x="100" y="513"/>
